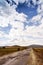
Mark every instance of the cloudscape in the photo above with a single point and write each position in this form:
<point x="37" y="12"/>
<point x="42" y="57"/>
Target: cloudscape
<point x="21" y="22"/>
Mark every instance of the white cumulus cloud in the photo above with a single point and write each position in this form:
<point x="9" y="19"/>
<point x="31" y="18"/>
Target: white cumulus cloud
<point x="17" y="35"/>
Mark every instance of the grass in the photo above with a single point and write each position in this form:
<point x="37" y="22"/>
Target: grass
<point x="11" y="49"/>
<point x="8" y="50"/>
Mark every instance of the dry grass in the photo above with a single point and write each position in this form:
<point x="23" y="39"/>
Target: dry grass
<point x="38" y="53"/>
<point x="8" y="50"/>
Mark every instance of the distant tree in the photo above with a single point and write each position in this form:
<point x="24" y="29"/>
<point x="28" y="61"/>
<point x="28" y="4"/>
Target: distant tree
<point x="3" y="47"/>
<point x="18" y="49"/>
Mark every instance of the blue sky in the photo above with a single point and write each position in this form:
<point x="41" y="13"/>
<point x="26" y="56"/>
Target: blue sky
<point x="21" y="22"/>
<point x="6" y="29"/>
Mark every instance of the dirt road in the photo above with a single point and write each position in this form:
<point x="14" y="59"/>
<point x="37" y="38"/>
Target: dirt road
<point x="18" y="58"/>
<point x="25" y="57"/>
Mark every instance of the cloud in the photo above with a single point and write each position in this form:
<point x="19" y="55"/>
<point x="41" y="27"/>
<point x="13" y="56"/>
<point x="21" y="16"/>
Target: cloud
<point x="33" y="34"/>
<point x="3" y="21"/>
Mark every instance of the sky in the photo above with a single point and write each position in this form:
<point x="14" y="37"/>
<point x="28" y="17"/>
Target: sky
<point x="21" y="22"/>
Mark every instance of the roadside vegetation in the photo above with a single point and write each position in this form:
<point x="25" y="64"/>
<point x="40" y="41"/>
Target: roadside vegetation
<point x="10" y="49"/>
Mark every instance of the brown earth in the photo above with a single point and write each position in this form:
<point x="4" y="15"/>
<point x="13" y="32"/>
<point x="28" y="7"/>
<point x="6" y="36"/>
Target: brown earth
<point x="30" y="56"/>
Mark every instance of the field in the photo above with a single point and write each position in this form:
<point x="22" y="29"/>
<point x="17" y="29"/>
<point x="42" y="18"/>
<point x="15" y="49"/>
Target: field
<point x="10" y="49"/>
